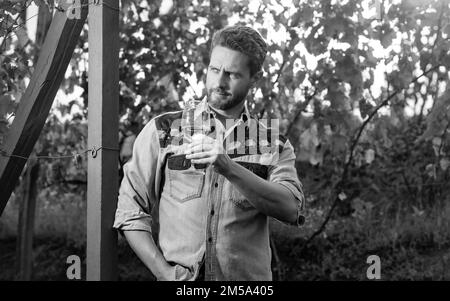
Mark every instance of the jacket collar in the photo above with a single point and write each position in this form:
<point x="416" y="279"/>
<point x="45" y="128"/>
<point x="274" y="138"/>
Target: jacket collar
<point x="245" y="116"/>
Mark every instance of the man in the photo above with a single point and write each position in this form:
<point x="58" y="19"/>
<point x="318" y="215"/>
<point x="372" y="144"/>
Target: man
<point x="211" y="223"/>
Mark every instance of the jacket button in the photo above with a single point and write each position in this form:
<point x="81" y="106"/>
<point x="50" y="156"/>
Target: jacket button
<point x="301" y="220"/>
<point x="216" y="185"/>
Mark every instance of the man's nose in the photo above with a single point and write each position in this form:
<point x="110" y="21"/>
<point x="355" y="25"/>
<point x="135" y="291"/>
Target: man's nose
<point x="222" y="80"/>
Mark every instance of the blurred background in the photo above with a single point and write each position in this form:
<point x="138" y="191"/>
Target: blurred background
<point x="361" y="89"/>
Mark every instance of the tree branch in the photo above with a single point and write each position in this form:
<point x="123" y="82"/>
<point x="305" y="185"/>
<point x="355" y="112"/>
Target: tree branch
<point x="12" y="28"/>
<point x="301" y="108"/>
<point x="280" y="70"/>
<point x="442" y="141"/>
<point x="439" y="26"/>
<point x="408" y="186"/>
<point x="340" y="183"/>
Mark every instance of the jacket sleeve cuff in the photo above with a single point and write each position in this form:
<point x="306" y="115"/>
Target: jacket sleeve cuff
<point x="300" y="220"/>
<point x="132" y="220"/>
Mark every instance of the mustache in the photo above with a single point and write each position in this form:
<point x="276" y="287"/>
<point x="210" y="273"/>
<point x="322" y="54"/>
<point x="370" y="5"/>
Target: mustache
<point x="220" y="91"/>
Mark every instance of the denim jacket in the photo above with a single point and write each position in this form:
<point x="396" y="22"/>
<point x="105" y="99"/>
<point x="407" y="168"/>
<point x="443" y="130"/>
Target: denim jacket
<point x="195" y="214"/>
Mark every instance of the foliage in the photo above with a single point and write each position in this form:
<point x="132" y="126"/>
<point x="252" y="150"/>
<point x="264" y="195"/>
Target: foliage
<point x="50" y="254"/>
<point x="333" y="69"/>
<point x="327" y="57"/>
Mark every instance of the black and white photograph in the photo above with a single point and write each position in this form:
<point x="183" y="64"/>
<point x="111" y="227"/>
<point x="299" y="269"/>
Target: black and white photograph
<point x="240" y="142"/>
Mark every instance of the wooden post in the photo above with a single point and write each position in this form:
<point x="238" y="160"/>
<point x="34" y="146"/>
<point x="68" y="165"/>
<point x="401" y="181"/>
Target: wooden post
<point x="103" y="132"/>
<point x="43" y="23"/>
<point x="37" y="100"/>
<point x="27" y="211"/>
<point x="27" y="214"/>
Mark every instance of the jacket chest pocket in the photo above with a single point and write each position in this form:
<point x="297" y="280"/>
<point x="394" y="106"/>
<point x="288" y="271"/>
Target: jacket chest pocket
<point x="185" y="182"/>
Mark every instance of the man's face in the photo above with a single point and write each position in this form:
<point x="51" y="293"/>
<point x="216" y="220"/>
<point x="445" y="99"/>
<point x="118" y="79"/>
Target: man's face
<point x="228" y="79"/>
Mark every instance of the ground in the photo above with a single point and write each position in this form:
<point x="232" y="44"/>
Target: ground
<point x="331" y="258"/>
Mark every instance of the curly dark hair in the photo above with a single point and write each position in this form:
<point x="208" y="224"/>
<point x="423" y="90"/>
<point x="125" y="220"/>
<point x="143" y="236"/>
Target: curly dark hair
<point x="245" y="40"/>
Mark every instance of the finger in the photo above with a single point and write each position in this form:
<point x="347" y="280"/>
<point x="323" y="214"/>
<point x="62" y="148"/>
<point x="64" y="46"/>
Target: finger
<point x="198" y="148"/>
<point x="199" y="155"/>
<point x="202" y="139"/>
<point x="220" y="137"/>
<point x="216" y="151"/>
<point x="200" y="142"/>
<point x="201" y="161"/>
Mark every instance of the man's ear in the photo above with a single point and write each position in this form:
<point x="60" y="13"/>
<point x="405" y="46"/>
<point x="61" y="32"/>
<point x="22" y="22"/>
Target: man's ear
<point x="256" y="77"/>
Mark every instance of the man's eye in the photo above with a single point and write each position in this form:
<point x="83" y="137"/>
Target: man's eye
<point x="214" y="69"/>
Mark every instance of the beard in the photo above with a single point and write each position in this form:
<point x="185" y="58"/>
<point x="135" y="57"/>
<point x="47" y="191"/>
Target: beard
<point x="223" y="100"/>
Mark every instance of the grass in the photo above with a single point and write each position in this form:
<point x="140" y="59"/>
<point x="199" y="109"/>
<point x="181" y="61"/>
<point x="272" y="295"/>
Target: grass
<point x="60" y="231"/>
<point x="410" y="248"/>
<point x="412" y="245"/>
<point x="419" y="251"/>
<point x="50" y="255"/>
